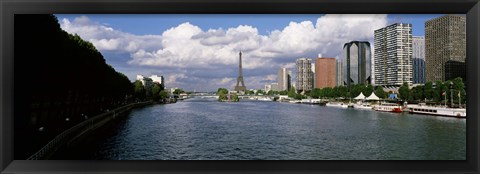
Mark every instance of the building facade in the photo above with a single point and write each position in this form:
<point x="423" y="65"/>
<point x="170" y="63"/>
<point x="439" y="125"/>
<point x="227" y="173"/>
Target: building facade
<point x="325" y="72"/>
<point x="445" y="39"/>
<point x="418" y="59"/>
<point x="393" y="55"/>
<point x="339" y="74"/>
<point x="157" y="79"/>
<point x="454" y="69"/>
<point x="304" y="75"/>
<point x="356" y="63"/>
<point x="418" y="66"/>
<point x="284" y="79"/>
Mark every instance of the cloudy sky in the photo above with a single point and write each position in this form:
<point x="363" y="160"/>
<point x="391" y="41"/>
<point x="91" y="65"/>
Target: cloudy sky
<point x="200" y="52"/>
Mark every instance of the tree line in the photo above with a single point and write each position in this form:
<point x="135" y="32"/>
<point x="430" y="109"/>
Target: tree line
<point x="431" y="92"/>
<point x="60" y="80"/>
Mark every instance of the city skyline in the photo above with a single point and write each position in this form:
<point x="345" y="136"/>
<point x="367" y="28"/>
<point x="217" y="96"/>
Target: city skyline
<point x="201" y="51"/>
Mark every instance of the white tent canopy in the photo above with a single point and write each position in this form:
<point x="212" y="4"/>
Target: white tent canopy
<point x="373" y="97"/>
<point x="360" y="97"/>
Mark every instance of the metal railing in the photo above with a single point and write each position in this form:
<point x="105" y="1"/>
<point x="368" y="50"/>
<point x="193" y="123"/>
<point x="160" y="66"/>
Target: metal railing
<point x="79" y="129"/>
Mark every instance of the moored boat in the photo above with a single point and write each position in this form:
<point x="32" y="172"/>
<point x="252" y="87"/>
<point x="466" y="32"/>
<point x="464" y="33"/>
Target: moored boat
<point x="440" y="111"/>
<point x="336" y="104"/>
<point x="388" y="107"/>
<point x="362" y="106"/>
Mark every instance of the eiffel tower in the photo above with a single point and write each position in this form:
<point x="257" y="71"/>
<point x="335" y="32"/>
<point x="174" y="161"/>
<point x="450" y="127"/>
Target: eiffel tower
<point x="240" y="76"/>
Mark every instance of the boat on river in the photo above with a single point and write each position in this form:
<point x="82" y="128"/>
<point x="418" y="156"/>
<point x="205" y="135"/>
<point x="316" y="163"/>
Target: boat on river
<point x="388" y="107"/>
<point x="440" y="111"/>
<point x="362" y="106"/>
<point x="337" y="104"/>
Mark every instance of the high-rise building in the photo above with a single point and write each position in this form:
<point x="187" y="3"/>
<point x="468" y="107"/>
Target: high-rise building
<point x="445" y="39"/>
<point x="283" y="79"/>
<point x="393" y="54"/>
<point x="339" y="75"/>
<point x="325" y="75"/>
<point x="304" y="75"/>
<point x="356" y="63"/>
<point x="418" y="59"/>
<point x="418" y="67"/>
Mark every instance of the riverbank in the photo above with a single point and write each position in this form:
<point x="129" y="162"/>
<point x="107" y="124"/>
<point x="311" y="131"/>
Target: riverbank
<point x="77" y="132"/>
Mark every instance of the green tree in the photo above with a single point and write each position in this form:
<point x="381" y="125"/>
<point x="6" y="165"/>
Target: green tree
<point x="404" y="92"/>
<point x="291" y="93"/>
<point x="342" y="91"/>
<point x="139" y="90"/>
<point x="418" y="93"/>
<point x="234" y="98"/>
<point x="428" y="90"/>
<point x="439" y="91"/>
<point x="156" y="91"/>
<point x="222" y="90"/>
<point x="260" y="92"/>
<point x="178" y="91"/>
<point x="367" y="91"/>
<point x="315" y="93"/>
<point x="380" y="92"/>
<point x="163" y="94"/>
<point x="459" y="87"/>
<point x="222" y="94"/>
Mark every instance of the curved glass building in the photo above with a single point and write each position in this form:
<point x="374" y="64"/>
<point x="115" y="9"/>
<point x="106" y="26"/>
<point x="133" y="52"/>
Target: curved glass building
<point x="356" y="63"/>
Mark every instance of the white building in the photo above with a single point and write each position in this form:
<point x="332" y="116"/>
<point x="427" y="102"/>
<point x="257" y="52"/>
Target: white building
<point x="158" y="79"/>
<point x="393" y="55"/>
<point x="284" y="79"/>
<point x="304" y="74"/>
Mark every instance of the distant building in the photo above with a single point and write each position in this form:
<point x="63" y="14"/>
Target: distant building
<point x="356" y="62"/>
<point x="339" y="74"/>
<point x="454" y="69"/>
<point x="158" y="79"/>
<point x="267" y="88"/>
<point x="284" y="79"/>
<point x="393" y="55"/>
<point x="313" y="76"/>
<point x="418" y="59"/>
<point x="146" y="81"/>
<point x="304" y="75"/>
<point x="445" y="40"/>
<point x="325" y="72"/>
<point x="418" y="66"/>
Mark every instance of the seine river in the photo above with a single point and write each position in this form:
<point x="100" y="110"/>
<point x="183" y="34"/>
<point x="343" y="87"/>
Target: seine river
<point x="203" y="129"/>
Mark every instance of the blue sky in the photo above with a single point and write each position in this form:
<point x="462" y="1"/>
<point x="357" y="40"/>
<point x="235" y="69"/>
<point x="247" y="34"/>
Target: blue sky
<point x="201" y="51"/>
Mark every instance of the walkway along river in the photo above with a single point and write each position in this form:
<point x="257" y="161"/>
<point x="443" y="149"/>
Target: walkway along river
<point x="203" y="129"/>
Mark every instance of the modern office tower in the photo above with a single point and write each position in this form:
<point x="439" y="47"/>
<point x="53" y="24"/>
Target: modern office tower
<point x="325" y="74"/>
<point x="304" y="75"/>
<point x="445" y="39"/>
<point x="283" y="79"/>
<point x="339" y="74"/>
<point x="356" y="63"/>
<point x="454" y="69"/>
<point x="393" y="54"/>
<point x="418" y="59"/>
<point x="418" y="67"/>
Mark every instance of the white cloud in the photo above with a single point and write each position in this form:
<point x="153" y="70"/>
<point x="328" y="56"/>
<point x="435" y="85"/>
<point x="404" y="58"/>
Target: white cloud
<point x="187" y="46"/>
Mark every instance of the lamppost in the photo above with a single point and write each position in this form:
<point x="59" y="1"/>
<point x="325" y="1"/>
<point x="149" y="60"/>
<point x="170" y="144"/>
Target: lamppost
<point x="451" y="94"/>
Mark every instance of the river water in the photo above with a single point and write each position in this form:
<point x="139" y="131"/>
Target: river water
<point x="203" y="129"/>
